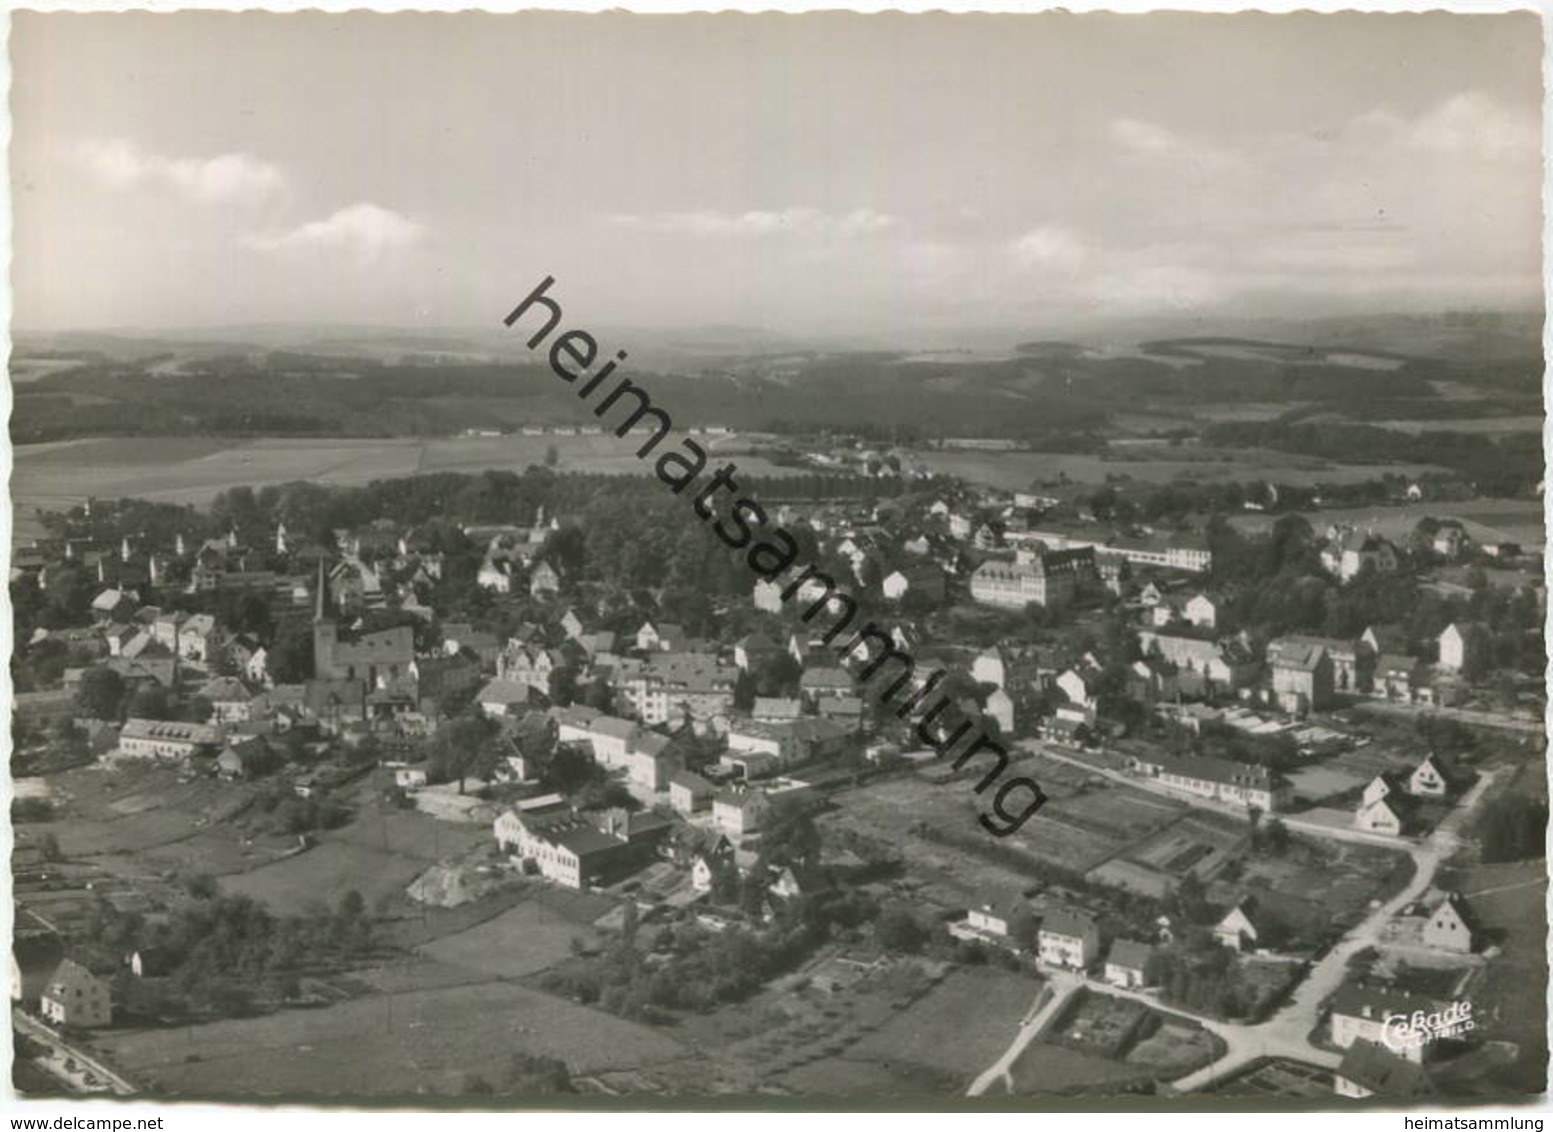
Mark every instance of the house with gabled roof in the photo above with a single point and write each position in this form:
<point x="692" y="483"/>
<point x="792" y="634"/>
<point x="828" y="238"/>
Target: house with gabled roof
<point x="1433" y="777"/>
<point x="775" y="709"/>
<point x="1369" y="1069"/>
<point x="1361" y="1011"/>
<point x="826" y="681"/>
<point x="1451" y="926"/>
<point x="1068" y="938"/>
<point x="740" y="813"/>
<point x="1127" y="963"/>
<point x="230" y="700"/>
<point x="75" y="997"/>
<point x="1383" y="785"/>
<point x="1006" y="921"/>
<point x="689" y="792"/>
<point x="503" y="697"/>
<point x="544" y="580"/>
<point x="1397" y="677"/>
<point x="1458" y="645"/>
<point x="1385" y="815"/>
<point x="1302" y="674"/>
<point x="1245" y="927"/>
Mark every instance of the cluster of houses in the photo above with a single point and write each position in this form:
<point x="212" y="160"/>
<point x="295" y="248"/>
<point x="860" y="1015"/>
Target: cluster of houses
<point x="1389" y="801"/>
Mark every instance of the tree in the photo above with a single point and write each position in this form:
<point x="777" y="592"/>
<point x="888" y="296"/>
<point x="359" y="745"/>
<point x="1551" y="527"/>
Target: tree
<point x="536" y="1073"/>
<point x="291" y="653"/>
<point x="48" y="845"/>
<point x="151" y="702"/>
<point x="897" y="929"/>
<point x="1189" y="902"/>
<point x="791" y="837"/>
<point x="1513" y="828"/>
<point x="100" y="694"/>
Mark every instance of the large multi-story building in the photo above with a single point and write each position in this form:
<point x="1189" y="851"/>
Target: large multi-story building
<point x="1302" y="673"/>
<point x="671" y="686"/>
<point x="166" y="739"/>
<point x="1221" y="780"/>
<point x="1049" y="579"/>
<point x="1174" y="552"/>
<point x="618" y="744"/>
<point x="561" y="844"/>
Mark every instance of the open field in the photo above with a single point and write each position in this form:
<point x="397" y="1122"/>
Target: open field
<point x="886" y="810"/>
<point x="843" y="1077"/>
<point x="520" y="941"/>
<point x="384" y="1045"/>
<point x="323" y="873"/>
<point x="1319" y="781"/>
<point x="410" y="833"/>
<point x="959" y="1027"/>
<point x="1486" y="520"/>
<point x="1487" y="426"/>
<point x="1017" y="470"/>
<point x="193" y="469"/>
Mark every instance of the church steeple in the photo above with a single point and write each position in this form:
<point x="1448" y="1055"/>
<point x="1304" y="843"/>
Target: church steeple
<point x="321" y="594"/>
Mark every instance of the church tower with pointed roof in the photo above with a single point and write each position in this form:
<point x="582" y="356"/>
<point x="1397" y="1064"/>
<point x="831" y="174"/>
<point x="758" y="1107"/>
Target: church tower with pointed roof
<point x="326" y="634"/>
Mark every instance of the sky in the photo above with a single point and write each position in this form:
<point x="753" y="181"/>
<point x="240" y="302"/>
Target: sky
<point x="816" y="175"/>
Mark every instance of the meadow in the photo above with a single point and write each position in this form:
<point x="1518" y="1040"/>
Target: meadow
<point x="961" y="1026"/>
<point x="192" y="470"/>
<point x="399" y="1045"/>
<point x="1018" y="470"/>
<point x="1485" y="520"/>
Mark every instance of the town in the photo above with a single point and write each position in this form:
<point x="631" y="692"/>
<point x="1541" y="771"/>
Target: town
<point x="517" y="778"/>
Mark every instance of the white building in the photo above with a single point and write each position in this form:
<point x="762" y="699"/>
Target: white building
<point x="1068" y="939"/>
<point x="76" y="997"/>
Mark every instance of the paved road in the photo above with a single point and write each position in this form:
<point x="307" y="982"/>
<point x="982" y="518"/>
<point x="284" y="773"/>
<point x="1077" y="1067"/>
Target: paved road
<point x="1503" y="720"/>
<point x="85" y="1061"/>
<point x="1286" y="1033"/>
<point x="1062" y="986"/>
<point x="1287" y="1030"/>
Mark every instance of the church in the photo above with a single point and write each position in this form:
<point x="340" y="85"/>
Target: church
<point x="376" y="657"/>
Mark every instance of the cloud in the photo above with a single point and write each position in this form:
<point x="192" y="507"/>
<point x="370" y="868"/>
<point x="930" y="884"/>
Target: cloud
<point x="363" y="228"/>
<point x="1465" y="125"/>
<point x="230" y="178"/>
<point x="1049" y="247"/>
<point x="1136" y="138"/>
<point x="1468" y="123"/>
<point x="1142" y="137"/>
<point x="809" y="223"/>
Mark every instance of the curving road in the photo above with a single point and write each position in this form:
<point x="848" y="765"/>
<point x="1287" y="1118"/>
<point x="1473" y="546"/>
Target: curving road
<point x="1286" y="1033"/>
<point x="27" y="1024"/>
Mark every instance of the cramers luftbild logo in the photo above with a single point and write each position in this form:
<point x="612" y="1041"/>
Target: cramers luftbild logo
<point x="1409" y="1031"/>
